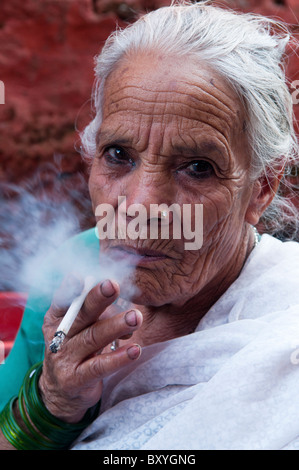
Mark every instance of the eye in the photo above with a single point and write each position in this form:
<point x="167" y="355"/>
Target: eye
<point x="117" y="156"/>
<point x="200" y="169"/>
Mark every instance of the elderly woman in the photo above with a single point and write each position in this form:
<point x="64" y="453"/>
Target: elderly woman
<point x="191" y="108"/>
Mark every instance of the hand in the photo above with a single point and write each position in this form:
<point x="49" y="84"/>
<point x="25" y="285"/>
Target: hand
<point x="71" y="381"/>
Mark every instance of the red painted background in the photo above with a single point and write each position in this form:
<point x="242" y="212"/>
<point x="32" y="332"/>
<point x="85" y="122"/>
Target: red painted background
<point x="47" y="50"/>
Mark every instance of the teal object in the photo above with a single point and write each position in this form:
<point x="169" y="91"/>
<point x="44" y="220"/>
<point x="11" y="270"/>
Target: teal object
<point x="43" y="430"/>
<point x="28" y="348"/>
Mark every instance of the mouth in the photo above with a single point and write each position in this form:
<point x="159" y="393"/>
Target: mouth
<point x="137" y="256"/>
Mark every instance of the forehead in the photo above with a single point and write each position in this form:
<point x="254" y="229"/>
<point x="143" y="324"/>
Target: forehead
<point x="157" y="90"/>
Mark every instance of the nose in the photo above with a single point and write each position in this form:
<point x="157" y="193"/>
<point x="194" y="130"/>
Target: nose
<point x="149" y="194"/>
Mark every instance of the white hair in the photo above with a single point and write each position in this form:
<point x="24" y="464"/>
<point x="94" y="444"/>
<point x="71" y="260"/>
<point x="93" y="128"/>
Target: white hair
<point x="249" y="52"/>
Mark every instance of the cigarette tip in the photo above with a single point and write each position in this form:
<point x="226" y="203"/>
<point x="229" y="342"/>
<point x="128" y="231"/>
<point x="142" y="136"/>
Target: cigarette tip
<point x="57" y="341"/>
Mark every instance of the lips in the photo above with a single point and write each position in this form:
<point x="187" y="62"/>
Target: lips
<point x="142" y="251"/>
<point x="137" y="256"/>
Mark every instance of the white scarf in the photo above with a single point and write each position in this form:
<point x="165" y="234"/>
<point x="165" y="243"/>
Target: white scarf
<point x="232" y="384"/>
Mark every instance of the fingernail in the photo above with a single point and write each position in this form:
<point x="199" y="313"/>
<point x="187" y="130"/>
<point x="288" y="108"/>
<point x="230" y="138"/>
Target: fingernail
<point x="107" y="288"/>
<point x="131" y="318"/>
<point x="134" y="351"/>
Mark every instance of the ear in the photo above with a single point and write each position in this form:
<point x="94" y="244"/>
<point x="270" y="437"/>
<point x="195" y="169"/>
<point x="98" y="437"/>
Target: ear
<point x="263" y="192"/>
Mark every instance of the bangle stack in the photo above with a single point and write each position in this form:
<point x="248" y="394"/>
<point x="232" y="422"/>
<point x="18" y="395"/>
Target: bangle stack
<point x="44" y="431"/>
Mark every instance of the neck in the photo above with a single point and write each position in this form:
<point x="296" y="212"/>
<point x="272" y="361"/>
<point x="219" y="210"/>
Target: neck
<point x="170" y="321"/>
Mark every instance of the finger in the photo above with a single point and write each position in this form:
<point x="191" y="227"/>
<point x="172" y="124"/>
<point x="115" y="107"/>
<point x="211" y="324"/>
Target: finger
<point x="70" y="287"/>
<point x="99" y="367"/>
<point x="96" y="302"/>
<point x="97" y="336"/>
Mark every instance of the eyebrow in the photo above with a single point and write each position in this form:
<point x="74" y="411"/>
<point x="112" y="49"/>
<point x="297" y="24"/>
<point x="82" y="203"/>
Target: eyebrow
<point x="110" y="137"/>
<point x="198" y="149"/>
<point x="201" y="149"/>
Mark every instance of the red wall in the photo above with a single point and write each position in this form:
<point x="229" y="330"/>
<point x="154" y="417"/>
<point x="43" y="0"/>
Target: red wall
<point x="46" y="63"/>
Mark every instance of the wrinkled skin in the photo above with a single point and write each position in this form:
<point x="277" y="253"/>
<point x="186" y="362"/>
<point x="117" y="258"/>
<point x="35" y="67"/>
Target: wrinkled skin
<point x="159" y="121"/>
<point x="170" y="134"/>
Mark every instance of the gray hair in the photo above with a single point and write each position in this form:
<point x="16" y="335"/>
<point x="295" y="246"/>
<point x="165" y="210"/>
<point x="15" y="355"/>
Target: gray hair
<point x="249" y="52"/>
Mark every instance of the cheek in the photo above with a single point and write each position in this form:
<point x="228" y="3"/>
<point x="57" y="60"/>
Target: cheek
<point x="224" y="205"/>
<point x="175" y="282"/>
<point x="223" y="223"/>
<point x="101" y="188"/>
<point x="218" y="206"/>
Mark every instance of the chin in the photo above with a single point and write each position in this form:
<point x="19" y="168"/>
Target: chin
<point x="143" y="297"/>
<point x="142" y="291"/>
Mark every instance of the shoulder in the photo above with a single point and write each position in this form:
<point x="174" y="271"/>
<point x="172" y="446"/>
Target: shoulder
<point x="274" y="251"/>
<point x="269" y="280"/>
<point x="86" y="239"/>
<point x="274" y="261"/>
<point x="29" y="344"/>
<point x="267" y="286"/>
<point x="77" y="254"/>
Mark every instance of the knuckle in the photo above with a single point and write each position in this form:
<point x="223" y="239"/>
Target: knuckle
<point x="66" y="378"/>
<point x="89" y="338"/>
<point x="56" y="311"/>
<point x="97" y="367"/>
<point x="47" y="325"/>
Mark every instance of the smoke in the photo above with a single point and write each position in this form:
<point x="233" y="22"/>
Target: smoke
<point x="36" y="221"/>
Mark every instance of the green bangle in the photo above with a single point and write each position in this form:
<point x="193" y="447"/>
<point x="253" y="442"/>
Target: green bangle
<point x="43" y="442"/>
<point x="12" y="431"/>
<point x="48" y="425"/>
<point x="45" y="431"/>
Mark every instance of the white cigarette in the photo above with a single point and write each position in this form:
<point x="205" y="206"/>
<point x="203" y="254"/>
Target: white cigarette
<point x="71" y="314"/>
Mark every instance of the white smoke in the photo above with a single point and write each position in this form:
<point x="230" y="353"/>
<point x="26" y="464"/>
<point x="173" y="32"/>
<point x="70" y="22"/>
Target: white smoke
<point x="35" y="222"/>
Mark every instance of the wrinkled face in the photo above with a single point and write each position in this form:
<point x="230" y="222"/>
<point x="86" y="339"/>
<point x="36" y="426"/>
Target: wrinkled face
<point x="173" y="133"/>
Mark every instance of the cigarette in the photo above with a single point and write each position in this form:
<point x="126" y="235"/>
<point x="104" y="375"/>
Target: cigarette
<point x="71" y="315"/>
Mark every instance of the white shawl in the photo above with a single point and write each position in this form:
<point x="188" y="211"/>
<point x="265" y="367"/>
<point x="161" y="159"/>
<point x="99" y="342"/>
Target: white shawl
<point x="232" y="384"/>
